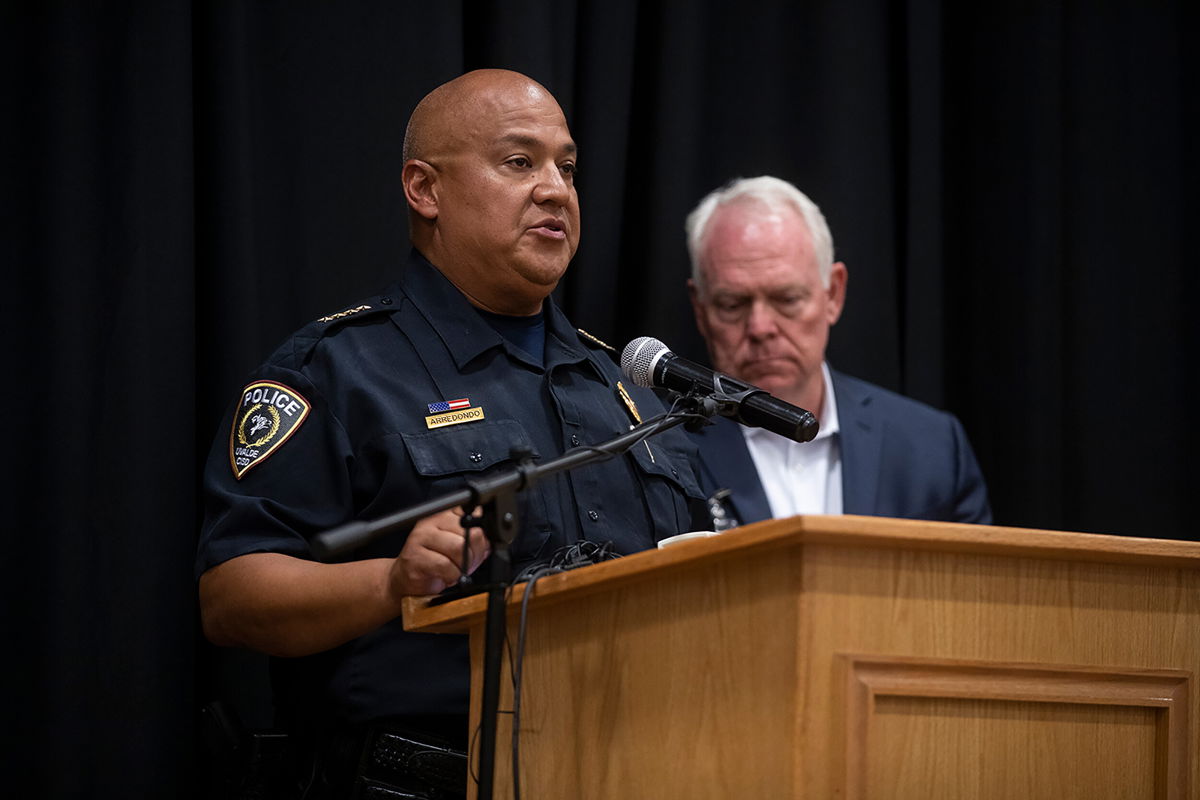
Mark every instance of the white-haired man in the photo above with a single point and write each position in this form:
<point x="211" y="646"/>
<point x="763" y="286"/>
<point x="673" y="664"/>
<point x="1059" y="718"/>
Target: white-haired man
<point x="765" y="291"/>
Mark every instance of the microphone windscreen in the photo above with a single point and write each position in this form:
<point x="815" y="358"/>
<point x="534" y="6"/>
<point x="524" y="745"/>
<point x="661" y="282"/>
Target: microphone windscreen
<point x="639" y="357"/>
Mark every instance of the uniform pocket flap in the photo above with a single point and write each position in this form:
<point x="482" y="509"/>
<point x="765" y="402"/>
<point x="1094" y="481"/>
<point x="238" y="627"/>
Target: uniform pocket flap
<point x="471" y="447"/>
<point x="668" y="463"/>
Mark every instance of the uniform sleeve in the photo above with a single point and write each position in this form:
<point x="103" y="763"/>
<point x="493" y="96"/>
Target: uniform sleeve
<point x="273" y="480"/>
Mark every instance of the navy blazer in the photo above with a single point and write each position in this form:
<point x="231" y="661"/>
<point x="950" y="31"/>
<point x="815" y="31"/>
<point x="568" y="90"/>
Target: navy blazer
<point x="900" y="458"/>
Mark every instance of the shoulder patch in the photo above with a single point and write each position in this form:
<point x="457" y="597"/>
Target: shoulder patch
<point x="349" y="312"/>
<point x="267" y="414"/>
<point x="587" y="336"/>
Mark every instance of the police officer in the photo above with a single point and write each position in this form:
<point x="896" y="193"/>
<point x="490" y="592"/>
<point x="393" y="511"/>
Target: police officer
<point x="401" y="397"/>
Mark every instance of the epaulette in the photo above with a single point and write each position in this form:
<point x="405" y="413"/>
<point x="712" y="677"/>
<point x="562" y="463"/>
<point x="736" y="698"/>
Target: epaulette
<point x="305" y="338"/>
<point x="295" y="350"/>
<point x="593" y="340"/>
<point x="349" y="312"/>
<point x="380" y="304"/>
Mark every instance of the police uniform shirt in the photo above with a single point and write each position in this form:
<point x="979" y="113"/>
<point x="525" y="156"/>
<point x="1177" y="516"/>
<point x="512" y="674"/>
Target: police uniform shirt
<point x="398" y="400"/>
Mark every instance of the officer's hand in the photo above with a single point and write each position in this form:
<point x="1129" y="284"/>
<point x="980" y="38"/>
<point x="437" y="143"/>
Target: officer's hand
<point x="431" y="558"/>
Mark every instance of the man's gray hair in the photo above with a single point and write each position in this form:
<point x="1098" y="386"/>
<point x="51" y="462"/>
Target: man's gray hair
<point x="773" y="193"/>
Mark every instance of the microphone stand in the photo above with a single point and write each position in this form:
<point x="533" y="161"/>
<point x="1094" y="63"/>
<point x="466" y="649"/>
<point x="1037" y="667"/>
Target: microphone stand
<point x="497" y="495"/>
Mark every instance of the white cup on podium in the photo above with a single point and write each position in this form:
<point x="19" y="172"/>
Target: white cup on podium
<point x="683" y="537"/>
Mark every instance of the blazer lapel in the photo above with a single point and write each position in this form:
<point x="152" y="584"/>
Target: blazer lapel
<point x="728" y="465"/>
<point x="861" y="444"/>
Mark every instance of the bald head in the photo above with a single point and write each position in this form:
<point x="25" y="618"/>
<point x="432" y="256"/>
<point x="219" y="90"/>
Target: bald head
<point x="489" y="175"/>
<point x="453" y="111"/>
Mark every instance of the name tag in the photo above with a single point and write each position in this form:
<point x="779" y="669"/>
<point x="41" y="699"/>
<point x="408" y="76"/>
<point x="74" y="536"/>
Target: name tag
<point x="454" y="417"/>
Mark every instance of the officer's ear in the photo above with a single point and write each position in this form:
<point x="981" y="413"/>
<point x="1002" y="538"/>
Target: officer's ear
<point x="420" y="187"/>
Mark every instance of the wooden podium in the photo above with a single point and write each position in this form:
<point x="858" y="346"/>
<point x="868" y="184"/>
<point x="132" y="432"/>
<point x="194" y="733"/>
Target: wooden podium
<point x="857" y="657"/>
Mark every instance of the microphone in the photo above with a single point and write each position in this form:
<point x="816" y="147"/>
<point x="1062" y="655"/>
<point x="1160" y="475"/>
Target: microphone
<point x="648" y="362"/>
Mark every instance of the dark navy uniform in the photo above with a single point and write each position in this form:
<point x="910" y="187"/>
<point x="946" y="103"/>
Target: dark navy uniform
<point x="395" y="401"/>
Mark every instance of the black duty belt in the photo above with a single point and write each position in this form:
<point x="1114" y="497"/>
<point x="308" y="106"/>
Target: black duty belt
<point x="396" y="763"/>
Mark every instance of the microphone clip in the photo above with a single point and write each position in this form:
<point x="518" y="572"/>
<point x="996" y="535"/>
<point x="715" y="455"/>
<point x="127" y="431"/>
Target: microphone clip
<point x="704" y="404"/>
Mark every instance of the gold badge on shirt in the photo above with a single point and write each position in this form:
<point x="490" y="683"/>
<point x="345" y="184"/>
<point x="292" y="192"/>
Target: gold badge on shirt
<point x="634" y="414"/>
<point x="628" y="401"/>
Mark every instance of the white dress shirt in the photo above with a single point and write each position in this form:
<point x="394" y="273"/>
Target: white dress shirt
<point x="801" y="478"/>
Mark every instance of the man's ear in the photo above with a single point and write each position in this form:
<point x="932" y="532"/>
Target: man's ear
<point x="837" y="291"/>
<point x="420" y="187"/>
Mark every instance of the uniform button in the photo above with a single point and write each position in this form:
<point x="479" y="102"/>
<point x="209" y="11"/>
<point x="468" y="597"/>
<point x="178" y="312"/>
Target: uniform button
<point x="675" y="472"/>
<point x="476" y="457"/>
<point x="387" y="301"/>
<point x="574" y="440"/>
<point x="593" y="515"/>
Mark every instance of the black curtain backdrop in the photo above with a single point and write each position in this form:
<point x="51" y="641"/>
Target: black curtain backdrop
<point x="1010" y="185"/>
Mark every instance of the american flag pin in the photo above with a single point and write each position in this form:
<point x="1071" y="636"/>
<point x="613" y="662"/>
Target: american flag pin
<point x="449" y="405"/>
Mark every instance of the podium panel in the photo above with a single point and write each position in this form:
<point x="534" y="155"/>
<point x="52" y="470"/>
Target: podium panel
<point x="956" y="730"/>
<point x="856" y="657"/>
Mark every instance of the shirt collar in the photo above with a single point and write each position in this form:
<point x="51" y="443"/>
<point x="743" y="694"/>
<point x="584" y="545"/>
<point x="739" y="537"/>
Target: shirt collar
<point x="829" y="414"/>
<point x="829" y="410"/>
<point x="466" y="334"/>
